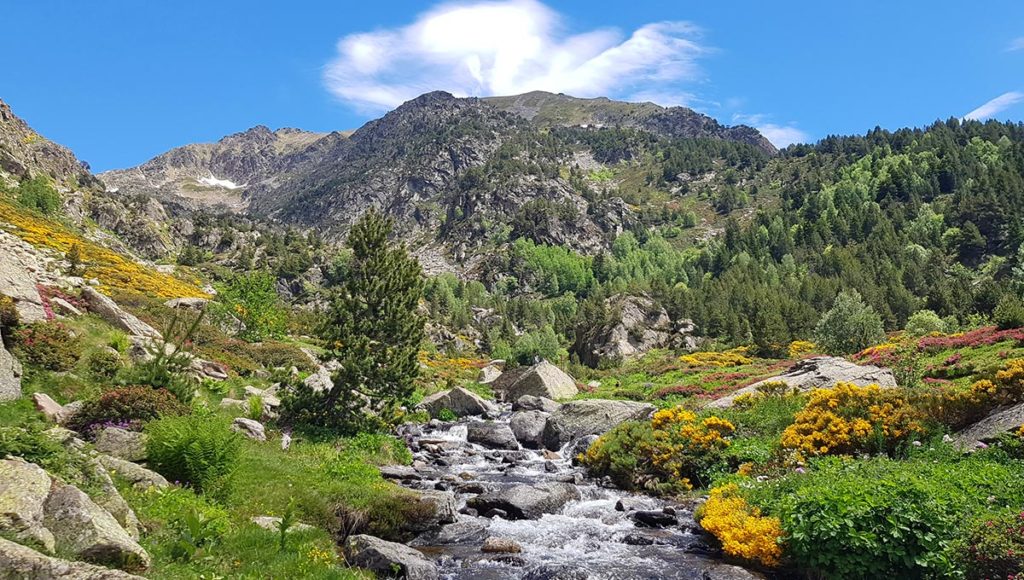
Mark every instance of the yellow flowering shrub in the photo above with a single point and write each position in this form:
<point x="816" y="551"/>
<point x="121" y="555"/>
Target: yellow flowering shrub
<point x="113" y="270"/>
<point x="849" y="419"/>
<point x="664" y="455"/>
<point x="730" y="358"/>
<point x="957" y="408"/>
<point x="799" y="348"/>
<point x="740" y="527"/>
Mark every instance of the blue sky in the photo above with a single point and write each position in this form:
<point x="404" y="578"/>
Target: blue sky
<point x="122" y="81"/>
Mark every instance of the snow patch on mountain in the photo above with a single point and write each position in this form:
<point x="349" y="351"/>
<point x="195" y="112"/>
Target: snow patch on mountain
<point x="215" y="182"/>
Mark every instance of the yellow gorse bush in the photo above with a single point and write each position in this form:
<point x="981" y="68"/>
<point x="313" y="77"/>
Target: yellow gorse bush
<point x="849" y="419"/>
<point x="799" y="348"/>
<point x="731" y="358"/>
<point x="113" y="270"/>
<point x="741" y="528"/>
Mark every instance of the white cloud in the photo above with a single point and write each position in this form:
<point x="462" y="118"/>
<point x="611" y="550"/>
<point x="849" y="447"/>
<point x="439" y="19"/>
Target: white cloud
<point x="780" y="135"/>
<point x="1016" y="44"/>
<point x="995" y="106"/>
<point x="507" y="47"/>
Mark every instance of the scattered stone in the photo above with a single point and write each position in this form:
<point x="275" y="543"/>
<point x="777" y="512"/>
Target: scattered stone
<point x="532" y="403"/>
<point x="637" y="540"/>
<point x="64" y="307"/>
<point x="729" y="572"/>
<point x="187" y="303"/>
<point x="10" y="376"/>
<point x="818" y="372"/>
<point x="252" y="429"/>
<point x="23" y="563"/>
<point x="52" y="410"/>
<point x="489" y="374"/>
<point x="461" y="532"/>
<point x="89" y="532"/>
<point x="273" y="523"/>
<point x="24" y="488"/>
<point x="543" y="380"/>
<point x="388" y="558"/>
<point x="229" y="403"/>
<point x="400" y="472"/>
<point x="495" y="545"/>
<point x="579" y="447"/>
<point x="138" y="476"/>
<point x="320" y="381"/>
<point x="108" y="310"/>
<point x="492" y="435"/>
<point x="653" y="518"/>
<point x="441" y="509"/>
<point x="459" y="401"/>
<point x="527" y="502"/>
<point x="556" y="572"/>
<point x="551" y="455"/>
<point x="211" y="369"/>
<point x="577" y="419"/>
<point x="528" y="427"/>
<point x="123" y="444"/>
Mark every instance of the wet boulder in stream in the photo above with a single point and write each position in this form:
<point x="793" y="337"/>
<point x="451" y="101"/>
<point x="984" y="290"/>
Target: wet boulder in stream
<point x="532" y="403"/>
<point x="388" y="559"/>
<point x="576" y="419"/>
<point x="459" y="401"/>
<point x="528" y="427"/>
<point x="526" y="502"/>
<point x="492" y="435"/>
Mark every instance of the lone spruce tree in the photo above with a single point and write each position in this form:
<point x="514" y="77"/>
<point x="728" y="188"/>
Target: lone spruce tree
<point x="373" y="331"/>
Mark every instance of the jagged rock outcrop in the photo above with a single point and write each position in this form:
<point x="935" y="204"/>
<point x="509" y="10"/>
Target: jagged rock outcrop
<point x="819" y="372"/>
<point x="540" y="380"/>
<point x="640" y="326"/>
<point x="21" y="269"/>
<point x="388" y="559"/>
<point x="459" y="401"/>
<point x="25" y="153"/>
<point x="89" y="532"/>
<point x="576" y="419"/>
<point x="1002" y="421"/>
<point x="116" y="316"/>
<point x="24" y="488"/>
<point x="19" y="562"/>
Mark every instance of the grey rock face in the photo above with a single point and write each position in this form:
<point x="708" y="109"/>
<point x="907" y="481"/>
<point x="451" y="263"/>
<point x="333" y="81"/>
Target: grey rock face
<point x="108" y="310"/>
<point x="642" y="327"/>
<point x="991" y="427"/>
<point x="121" y="443"/>
<point x="528" y="427"/>
<point x="531" y="403"/>
<point x="493" y="435"/>
<point x="10" y="376"/>
<point x="139" y="476"/>
<point x="542" y="380"/>
<point x="819" y="372"/>
<point x="19" y="562"/>
<point x="387" y="558"/>
<point x="86" y="530"/>
<point x="443" y="509"/>
<point x="526" y="502"/>
<point x="576" y="419"/>
<point x="252" y="429"/>
<point x="459" y="401"/>
<point x="24" y="488"/>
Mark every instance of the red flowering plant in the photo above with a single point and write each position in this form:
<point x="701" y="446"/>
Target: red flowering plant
<point x="994" y="547"/>
<point x="47" y="345"/>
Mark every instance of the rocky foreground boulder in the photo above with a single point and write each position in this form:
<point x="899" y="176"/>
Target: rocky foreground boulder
<point x="576" y="419"/>
<point x="528" y="427"/>
<point x="819" y="372"/>
<point x="19" y="562"/>
<point x="526" y="502"/>
<point x="117" y="317"/>
<point x="88" y="532"/>
<point x="459" y="401"/>
<point x="388" y="559"/>
<point x="491" y="435"/>
<point x="24" y="488"/>
<point x="991" y="427"/>
<point x="541" y="380"/>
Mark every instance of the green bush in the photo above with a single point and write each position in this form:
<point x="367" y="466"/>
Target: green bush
<point x="850" y="326"/>
<point x="199" y="449"/>
<point x="1009" y="312"/>
<point x="128" y="407"/>
<point x="538" y="344"/>
<point x="103" y="364"/>
<point x="252" y="298"/>
<point x="881" y="518"/>
<point x="993" y="547"/>
<point x="37" y="194"/>
<point x="47" y="345"/>
<point x="925" y="322"/>
<point x="33" y="445"/>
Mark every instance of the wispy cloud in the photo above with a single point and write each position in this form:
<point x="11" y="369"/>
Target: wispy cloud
<point x="1016" y="44"/>
<point x="995" y="106"/>
<point x="508" y="47"/>
<point x="780" y="135"/>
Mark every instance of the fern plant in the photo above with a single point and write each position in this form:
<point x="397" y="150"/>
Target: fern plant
<point x="200" y="450"/>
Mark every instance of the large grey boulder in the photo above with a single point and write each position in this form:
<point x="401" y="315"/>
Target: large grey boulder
<point x="19" y="562"/>
<point x="489" y="374"/>
<point x="531" y="403"/>
<point x="117" y="317"/>
<point x="492" y="435"/>
<point x="459" y="401"/>
<point x="10" y="376"/>
<point x="121" y="443"/>
<point x="576" y="419"/>
<point x="819" y="372"/>
<point x="991" y="427"/>
<point x="252" y="429"/>
<point x="441" y="508"/>
<point x="528" y="427"/>
<point x="24" y="488"/>
<point x="187" y="303"/>
<point x="89" y="532"/>
<point x="111" y="500"/>
<point x="542" y="380"/>
<point x="133" y="473"/>
<point x="388" y="559"/>
<point x="526" y="502"/>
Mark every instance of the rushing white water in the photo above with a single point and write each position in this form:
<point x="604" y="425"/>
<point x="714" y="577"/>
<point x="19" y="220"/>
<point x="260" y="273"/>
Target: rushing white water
<point x="587" y="539"/>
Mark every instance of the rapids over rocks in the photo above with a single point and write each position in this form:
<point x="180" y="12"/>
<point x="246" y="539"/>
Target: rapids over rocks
<point x="530" y="514"/>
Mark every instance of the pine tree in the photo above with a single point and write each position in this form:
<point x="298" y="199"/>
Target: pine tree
<point x="74" y="257"/>
<point x="374" y="332"/>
